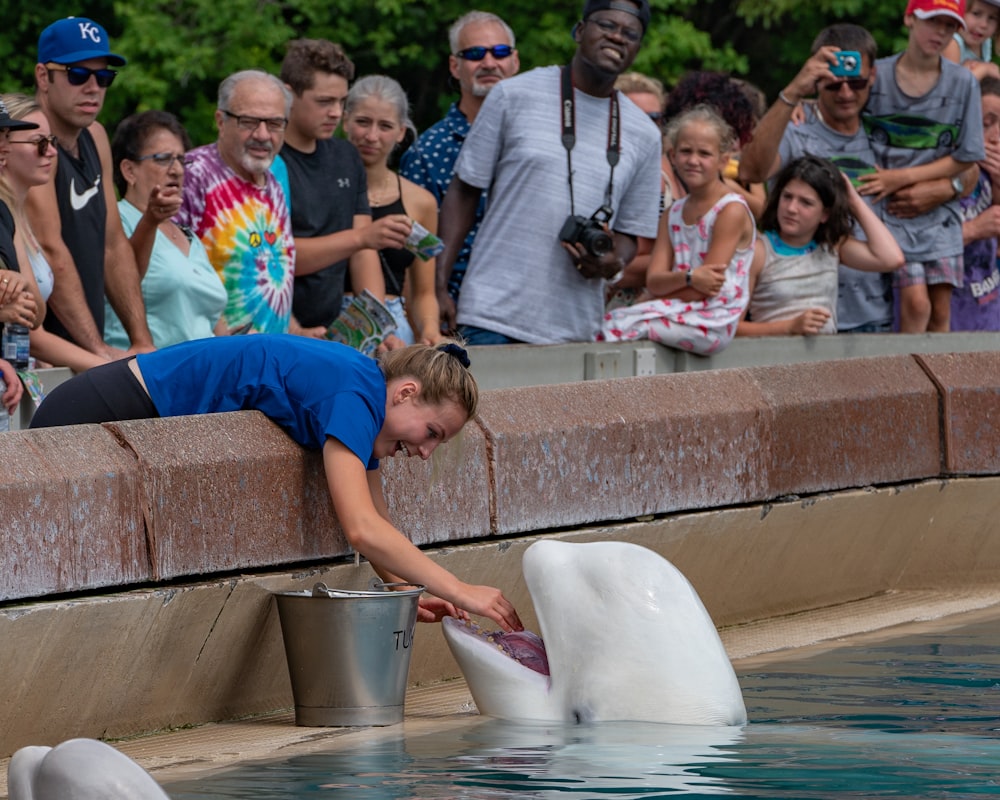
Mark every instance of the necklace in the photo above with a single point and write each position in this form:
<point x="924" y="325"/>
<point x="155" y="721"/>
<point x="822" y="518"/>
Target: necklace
<point x="175" y="235"/>
<point x="384" y="194"/>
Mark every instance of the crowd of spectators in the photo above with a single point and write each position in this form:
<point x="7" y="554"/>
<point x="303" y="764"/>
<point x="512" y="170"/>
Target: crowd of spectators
<point x="860" y="201"/>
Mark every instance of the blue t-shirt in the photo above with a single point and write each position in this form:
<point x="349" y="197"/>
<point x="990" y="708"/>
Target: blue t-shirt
<point x="280" y="171"/>
<point x="311" y="388"/>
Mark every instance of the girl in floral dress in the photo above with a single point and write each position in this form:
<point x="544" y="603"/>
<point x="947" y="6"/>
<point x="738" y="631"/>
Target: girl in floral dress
<point x="697" y="280"/>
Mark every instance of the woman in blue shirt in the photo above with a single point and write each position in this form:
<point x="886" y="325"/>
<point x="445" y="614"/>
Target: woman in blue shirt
<point x="325" y="396"/>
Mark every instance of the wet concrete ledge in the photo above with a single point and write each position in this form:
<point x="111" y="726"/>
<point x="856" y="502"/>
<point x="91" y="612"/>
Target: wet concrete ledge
<point x="775" y="489"/>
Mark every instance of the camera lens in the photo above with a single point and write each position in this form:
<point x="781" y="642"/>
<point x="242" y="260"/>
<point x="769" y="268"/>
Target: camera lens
<point x="597" y="241"/>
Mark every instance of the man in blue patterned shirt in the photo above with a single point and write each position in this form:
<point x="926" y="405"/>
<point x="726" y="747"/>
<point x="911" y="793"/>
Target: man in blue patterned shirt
<point x="482" y="54"/>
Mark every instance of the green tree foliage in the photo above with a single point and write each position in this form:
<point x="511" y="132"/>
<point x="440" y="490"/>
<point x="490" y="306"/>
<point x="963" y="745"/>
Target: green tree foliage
<point x="179" y="50"/>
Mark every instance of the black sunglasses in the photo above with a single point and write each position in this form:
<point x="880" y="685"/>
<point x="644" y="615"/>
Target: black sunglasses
<point x="479" y="53"/>
<point x="77" y="76"/>
<point x="41" y="143"/>
<point x="854" y="84"/>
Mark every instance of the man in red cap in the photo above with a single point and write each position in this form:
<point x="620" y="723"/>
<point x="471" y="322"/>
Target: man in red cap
<point x="75" y="215"/>
<point x="924" y="120"/>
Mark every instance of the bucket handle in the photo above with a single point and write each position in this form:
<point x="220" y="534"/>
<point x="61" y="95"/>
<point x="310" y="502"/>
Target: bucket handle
<point x="382" y="586"/>
<point x="320" y="589"/>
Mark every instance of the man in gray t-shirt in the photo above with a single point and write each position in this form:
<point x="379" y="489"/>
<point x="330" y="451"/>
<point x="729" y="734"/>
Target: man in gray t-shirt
<point x="523" y="284"/>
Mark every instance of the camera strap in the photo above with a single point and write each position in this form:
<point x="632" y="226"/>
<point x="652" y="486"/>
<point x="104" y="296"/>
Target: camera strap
<point x="569" y="134"/>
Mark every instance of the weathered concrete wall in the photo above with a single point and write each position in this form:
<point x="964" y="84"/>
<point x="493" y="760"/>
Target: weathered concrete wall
<point x="756" y="482"/>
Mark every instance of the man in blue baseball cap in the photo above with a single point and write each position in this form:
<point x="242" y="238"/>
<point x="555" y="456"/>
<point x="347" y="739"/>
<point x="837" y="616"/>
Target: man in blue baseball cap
<point x="75" y="215"/>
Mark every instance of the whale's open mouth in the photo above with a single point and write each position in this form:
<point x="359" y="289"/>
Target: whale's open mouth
<point x="524" y="647"/>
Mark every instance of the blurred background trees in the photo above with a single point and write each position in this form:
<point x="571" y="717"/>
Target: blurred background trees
<point x="179" y="50"/>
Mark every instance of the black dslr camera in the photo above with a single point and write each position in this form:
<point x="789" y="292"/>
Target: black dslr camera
<point x="590" y="232"/>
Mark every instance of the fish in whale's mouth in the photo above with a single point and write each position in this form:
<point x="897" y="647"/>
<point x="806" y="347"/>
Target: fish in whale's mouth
<point x="524" y="647"/>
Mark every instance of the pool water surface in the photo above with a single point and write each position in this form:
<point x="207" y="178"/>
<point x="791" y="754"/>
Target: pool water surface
<point x="917" y="716"/>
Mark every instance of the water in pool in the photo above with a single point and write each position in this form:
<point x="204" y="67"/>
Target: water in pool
<point x="912" y="717"/>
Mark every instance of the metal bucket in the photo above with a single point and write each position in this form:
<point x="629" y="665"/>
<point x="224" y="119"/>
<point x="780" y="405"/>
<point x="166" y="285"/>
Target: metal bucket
<point x="348" y="652"/>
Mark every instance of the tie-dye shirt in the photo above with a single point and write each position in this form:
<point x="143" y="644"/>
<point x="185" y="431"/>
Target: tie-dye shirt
<point x="247" y="233"/>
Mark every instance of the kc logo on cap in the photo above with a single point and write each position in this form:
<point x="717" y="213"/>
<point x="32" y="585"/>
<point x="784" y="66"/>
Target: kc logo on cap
<point x="75" y="39"/>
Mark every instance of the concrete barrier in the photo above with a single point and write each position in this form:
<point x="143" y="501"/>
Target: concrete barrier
<point x="157" y="500"/>
<point x="775" y="489"/>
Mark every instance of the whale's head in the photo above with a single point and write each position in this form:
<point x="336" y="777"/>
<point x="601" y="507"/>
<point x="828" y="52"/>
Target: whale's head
<point x="625" y="638"/>
<point x="79" y="769"/>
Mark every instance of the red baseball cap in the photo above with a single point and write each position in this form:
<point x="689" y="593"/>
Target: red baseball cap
<point x="925" y="9"/>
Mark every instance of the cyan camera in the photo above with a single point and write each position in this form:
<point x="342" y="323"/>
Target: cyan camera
<point x="589" y="231"/>
<point x="848" y="64"/>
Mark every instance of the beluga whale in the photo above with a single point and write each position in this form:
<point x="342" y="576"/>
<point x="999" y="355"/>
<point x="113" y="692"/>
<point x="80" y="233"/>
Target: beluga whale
<point x="79" y="769"/>
<point x="624" y="637"/>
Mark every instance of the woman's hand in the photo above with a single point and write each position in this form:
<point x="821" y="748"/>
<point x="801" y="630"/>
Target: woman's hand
<point x="12" y="284"/>
<point x="809" y="322"/>
<point x="434" y="609"/>
<point x="20" y="311"/>
<point x="388" y="232"/>
<point x="12" y="394"/>
<point x="991" y="163"/>
<point x="318" y="332"/>
<point x="163" y="203"/>
<point x="487" y="601"/>
<point x="708" y="278"/>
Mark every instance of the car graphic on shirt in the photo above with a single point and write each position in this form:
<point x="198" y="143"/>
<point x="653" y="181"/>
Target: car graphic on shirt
<point x="853" y="168"/>
<point x="912" y="133"/>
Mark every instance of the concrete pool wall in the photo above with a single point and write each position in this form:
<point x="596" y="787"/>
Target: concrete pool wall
<point x="139" y="558"/>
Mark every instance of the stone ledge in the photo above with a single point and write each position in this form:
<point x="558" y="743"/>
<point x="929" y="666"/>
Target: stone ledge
<point x="70" y="510"/>
<point x="969" y="385"/>
<point x="222" y="492"/>
<point x="158" y="500"/>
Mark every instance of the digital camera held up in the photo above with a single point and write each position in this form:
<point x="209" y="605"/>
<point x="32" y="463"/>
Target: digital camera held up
<point x="848" y="64"/>
<point x="591" y="232"/>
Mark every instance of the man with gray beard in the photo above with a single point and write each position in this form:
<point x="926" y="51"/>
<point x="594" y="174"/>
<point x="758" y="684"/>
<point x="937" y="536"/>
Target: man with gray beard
<point x="482" y="55"/>
<point x="237" y="208"/>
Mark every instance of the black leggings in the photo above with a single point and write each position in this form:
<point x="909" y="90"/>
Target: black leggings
<point x="107" y="393"/>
